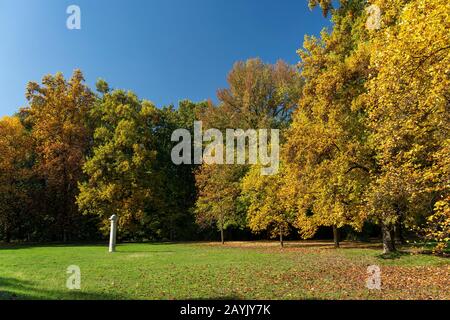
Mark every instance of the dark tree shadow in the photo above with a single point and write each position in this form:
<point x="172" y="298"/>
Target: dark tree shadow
<point x="393" y="255"/>
<point x="14" y="289"/>
<point x="18" y="246"/>
<point x="326" y="244"/>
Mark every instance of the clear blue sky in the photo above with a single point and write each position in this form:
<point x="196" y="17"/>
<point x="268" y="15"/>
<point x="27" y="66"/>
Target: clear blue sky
<point x="164" y="50"/>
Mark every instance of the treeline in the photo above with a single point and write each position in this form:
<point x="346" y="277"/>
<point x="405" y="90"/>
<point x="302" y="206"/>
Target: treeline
<point x="364" y="122"/>
<point x="72" y="158"/>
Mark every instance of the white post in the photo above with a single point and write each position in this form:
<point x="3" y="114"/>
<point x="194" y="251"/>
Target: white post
<point x="112" y="235"/>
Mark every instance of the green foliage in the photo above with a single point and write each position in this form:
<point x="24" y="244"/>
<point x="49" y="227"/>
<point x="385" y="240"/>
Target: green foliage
<point x="175" y="184"/>
<point x="121" y="169"/>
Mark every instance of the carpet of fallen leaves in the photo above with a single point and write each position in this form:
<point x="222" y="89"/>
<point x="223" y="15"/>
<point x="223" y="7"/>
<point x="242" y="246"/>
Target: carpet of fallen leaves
<point x="315" y="270"/>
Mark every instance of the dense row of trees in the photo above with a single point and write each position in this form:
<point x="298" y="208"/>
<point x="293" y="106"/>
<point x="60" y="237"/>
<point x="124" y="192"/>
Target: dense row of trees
<point x="73" y="158"/>
<point x="364" y="123"/>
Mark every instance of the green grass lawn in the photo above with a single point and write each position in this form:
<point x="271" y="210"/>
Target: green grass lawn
<point x="237" y="270"/>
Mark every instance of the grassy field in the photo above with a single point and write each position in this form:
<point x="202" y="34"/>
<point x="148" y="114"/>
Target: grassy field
<point x="237" y="270"/>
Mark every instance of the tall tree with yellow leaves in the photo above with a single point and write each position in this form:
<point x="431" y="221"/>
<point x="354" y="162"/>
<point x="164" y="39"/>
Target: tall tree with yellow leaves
<point x="326" y="159"/>
<point x="57" y="114"/>
<point x="408" y="101"/>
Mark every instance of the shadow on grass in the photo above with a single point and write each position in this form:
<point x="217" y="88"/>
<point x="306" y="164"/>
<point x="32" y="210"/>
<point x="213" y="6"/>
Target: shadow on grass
<point x="18" y="246"/>
<point x="288" y="244"/>
<point x="428" y="252"/>
<point x="393" y="255"/>
<point x="343" y="245"/>
<point x="15" y="289"/>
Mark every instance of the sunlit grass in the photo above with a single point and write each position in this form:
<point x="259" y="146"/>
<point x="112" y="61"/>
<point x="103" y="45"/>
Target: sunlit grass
<point x="254" y="270"/>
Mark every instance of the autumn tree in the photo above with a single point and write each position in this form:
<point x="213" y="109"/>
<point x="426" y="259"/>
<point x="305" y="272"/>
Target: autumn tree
<point x="265" y="212"/>
<point x="259" y="96"/>
<point x="15" y="174"/>
<point x="327" y="160"/>
<point x="408" y="106"/>
<point x="120" y="170"/>
<point x="57" y="115"/>
<point x="376" y="103"/>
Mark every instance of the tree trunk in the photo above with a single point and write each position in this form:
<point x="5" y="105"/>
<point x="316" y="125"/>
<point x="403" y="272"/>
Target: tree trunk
<point x="399" y="232"/>
<point x="388" y="239"/>
<point x="7" y="235"/>
<point x="281" y="237"/>
<point x="336" y="236"/>
<point x="221" y="235"/>
<point x="393" y="239"/>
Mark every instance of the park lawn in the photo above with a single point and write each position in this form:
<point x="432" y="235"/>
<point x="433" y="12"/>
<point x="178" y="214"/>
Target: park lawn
<point x="236" y="270"/>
